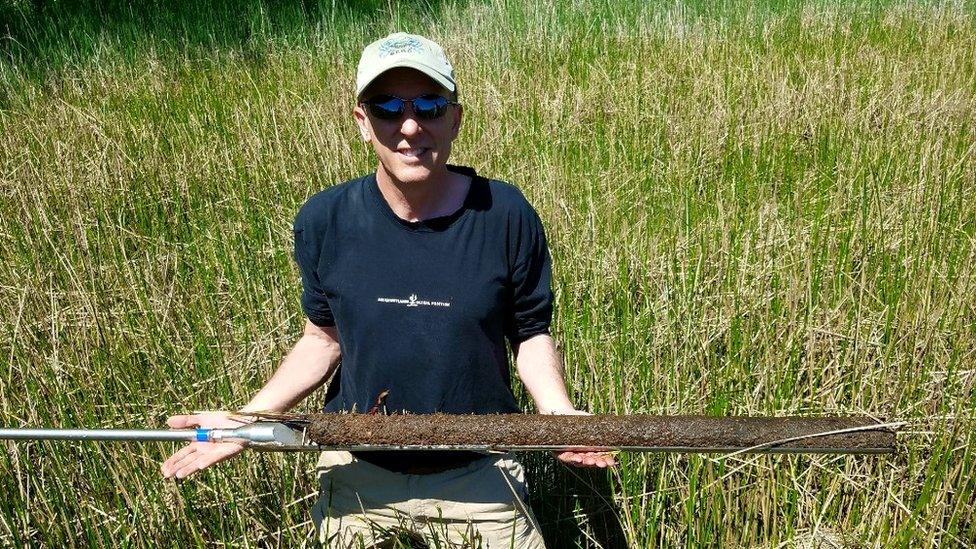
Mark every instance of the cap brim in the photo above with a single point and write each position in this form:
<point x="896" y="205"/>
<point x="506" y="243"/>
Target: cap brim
<point x="410" y="64"/>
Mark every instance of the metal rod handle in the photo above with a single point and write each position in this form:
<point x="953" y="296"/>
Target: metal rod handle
<point x="260" y="432"/>
<point x="99" y="434"/>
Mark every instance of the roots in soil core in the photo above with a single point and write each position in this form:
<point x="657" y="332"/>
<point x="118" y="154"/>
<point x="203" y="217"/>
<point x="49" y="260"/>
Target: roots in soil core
<point x="692" y="432"/>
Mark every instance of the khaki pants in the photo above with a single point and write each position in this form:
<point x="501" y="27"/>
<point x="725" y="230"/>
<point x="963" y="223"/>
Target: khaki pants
<point x="482" y="505"/>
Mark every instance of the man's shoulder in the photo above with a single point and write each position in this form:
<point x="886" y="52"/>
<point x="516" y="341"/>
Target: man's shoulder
<point x="509" y="200"/>
<point x="322" y="206"/>
<point x="506" y="193"/>
<point x="506" y="198"/>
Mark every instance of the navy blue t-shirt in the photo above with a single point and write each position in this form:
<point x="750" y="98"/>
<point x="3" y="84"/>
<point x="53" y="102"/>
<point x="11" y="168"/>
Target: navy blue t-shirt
<point x="423" y="309"/>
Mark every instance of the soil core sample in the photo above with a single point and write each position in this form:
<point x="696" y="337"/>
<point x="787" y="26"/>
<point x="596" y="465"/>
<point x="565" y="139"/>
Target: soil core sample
<point x="646" y="432"/>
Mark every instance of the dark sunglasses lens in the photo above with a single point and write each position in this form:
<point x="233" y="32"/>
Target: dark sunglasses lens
<point x="386" y="108"/>
<point x="430" y="106"/>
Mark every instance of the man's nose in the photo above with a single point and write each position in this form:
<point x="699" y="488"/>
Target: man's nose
<point x="409" y="126"/>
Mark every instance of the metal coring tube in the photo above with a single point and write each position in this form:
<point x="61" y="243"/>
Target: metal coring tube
<point x="523" y="432"/>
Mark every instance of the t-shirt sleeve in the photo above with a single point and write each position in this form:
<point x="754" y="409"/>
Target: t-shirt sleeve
<point x="307" y="252"/>
<point x="531" y="280"/>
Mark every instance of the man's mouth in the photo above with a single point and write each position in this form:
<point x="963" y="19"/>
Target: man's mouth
<point x="414" y="152"/>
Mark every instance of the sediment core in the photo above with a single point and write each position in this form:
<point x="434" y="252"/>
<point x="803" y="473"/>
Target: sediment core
<point x="614" y="431"/>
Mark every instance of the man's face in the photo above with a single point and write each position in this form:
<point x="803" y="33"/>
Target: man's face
<point x="410" y="148"/>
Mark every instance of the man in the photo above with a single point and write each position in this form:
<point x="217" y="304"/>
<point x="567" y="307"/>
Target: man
<point x="416" y="276"/>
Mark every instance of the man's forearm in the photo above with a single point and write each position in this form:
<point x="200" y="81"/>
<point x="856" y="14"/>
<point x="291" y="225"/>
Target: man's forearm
<point x="540" y="368"/>
<point x="309" y="364"/>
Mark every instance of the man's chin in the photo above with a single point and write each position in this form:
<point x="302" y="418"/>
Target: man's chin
<point x="413" y="174"/>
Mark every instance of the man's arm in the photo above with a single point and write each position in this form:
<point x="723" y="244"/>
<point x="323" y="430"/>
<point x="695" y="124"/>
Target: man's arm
<point x="310" y="363"/>
<point x="539" y="366"/>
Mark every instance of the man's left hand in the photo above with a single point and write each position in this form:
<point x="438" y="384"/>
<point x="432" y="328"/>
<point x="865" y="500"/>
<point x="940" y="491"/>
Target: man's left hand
<point x="583" y="457"/>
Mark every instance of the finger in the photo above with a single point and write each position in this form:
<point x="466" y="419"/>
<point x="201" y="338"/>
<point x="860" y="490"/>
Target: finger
<point x="571" y="458"/>
<point x="183" y="421"/>
<point x="187" y="470"/>
<point x="177" y="457"/>
<point x="588" y="459"/>
<point x="188" y="457"/>
<point x="599" y="459"/>
<point x="191" y="464"/>
<point x="205" y="458"/>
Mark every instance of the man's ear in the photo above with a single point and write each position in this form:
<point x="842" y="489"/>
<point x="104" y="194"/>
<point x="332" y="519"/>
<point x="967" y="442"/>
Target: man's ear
<point x="360" y="115"/>
<point x="456" y="124"/>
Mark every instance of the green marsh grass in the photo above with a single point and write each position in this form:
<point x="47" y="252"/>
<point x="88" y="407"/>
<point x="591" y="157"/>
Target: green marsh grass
<point x="752" y="210"/>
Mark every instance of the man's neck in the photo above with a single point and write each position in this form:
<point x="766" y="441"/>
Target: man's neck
<point x="441" y="194"/>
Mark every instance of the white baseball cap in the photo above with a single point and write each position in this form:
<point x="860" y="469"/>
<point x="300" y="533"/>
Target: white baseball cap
<point x="404" y="50"/>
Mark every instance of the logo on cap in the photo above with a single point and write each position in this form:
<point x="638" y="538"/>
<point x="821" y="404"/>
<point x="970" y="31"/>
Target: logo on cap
<point x="400" y="44"/>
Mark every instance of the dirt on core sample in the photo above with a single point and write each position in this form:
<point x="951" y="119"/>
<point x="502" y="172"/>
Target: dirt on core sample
<point x="800" y="434"/>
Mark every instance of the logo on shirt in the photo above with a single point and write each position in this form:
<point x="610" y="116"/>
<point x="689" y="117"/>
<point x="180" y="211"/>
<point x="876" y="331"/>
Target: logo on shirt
<point x="413" y="301"/>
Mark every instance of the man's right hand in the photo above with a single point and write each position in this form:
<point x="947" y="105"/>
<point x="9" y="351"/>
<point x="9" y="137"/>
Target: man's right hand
<point x="309" y="364"/>
<point x="198" y="455"/>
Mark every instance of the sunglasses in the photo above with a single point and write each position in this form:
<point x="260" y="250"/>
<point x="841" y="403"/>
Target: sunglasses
<point x="391" y="107"/>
